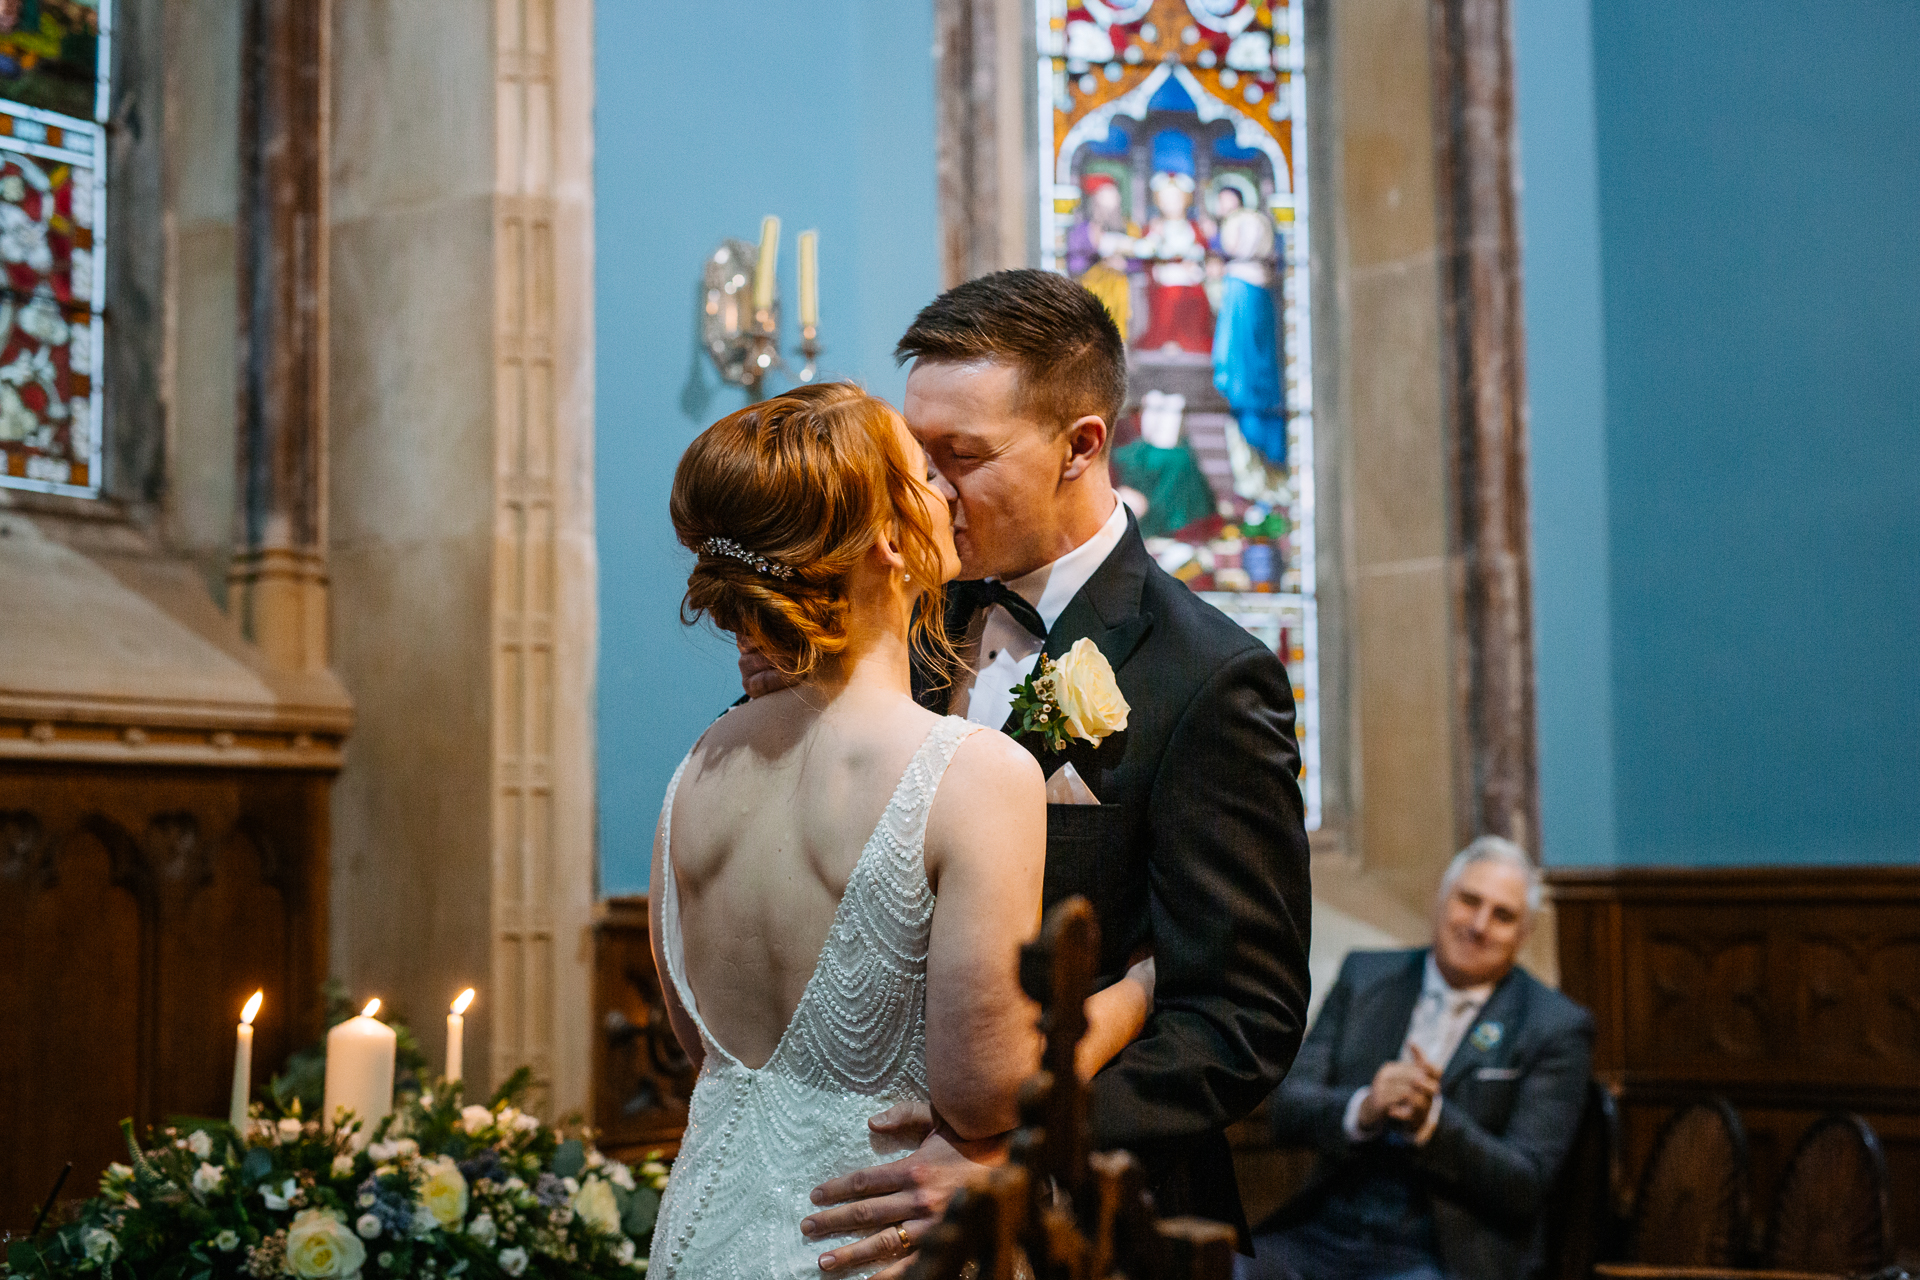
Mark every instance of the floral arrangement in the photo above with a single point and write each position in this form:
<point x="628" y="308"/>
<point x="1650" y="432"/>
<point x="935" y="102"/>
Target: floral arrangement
<point x="1074" y="697"/>
<point x="437" y="1189"/>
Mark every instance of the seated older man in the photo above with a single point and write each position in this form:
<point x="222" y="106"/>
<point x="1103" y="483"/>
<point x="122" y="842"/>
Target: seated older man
<point x="1442" y="1088"/>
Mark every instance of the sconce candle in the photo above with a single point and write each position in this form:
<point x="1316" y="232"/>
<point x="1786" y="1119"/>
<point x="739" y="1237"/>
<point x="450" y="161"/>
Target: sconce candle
<point x="456" y="1035"/>
<point x="243" y="1064"/>
<point x="360" y="1070"/>
<point x="809" y="279"/>
<point x="763" y="267"/>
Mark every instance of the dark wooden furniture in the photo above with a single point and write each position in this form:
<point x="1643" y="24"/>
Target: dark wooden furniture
<point x="641" y="1079"/>
<point x="1831" y="1210"/>
<point x="1694" y="1205"/>
<point x="142" y="907"/>
<point x="1791" y="992"/>
<point x="1583" y="1214"/>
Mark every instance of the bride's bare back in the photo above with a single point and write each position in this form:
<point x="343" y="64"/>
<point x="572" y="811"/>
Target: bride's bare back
<point x="771" y="816"/>
<point x="770" y="819"/>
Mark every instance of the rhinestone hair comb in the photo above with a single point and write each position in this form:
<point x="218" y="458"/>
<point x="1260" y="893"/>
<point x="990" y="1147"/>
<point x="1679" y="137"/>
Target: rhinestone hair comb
<point x="728" y="547"/>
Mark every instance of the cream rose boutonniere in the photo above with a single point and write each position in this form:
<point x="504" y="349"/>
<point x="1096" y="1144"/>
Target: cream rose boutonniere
<point x="1075" y="697"/>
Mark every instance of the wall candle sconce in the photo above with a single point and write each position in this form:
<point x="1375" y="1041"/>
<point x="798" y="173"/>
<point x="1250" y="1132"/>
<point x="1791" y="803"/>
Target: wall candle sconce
<point x="741" y="325"/>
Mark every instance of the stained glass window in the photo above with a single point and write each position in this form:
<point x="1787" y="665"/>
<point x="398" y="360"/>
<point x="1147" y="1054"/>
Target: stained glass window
<point x="53" y="105"/>
<point x="1173" y="185"/>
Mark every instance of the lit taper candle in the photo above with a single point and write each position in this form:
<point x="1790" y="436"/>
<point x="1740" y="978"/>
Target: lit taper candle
<point x="360" y="1071"/>
<point x="763" y="267"/>
<point x="809" y="242"/>
<point x="243" y="1064"/>
<point x="456" y="1034"/>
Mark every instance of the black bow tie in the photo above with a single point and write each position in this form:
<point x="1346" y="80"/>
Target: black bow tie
<point x="968" y="598"/>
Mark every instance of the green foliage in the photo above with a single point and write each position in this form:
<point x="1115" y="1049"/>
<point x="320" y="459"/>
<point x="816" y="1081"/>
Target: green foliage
<point x="1038" y="708"/>
<point x="439" y="1188"/>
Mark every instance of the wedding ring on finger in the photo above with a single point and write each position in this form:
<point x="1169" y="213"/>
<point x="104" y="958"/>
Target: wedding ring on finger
<point x="906" y="1241"/>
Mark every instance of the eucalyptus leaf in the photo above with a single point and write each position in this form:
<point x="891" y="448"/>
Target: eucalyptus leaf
<point x="638" y="1219"/>
<point x="569" y="1158"/>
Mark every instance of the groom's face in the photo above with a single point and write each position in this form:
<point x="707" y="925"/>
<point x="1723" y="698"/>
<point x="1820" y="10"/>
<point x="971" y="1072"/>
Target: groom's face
<point x="999" y="468"/>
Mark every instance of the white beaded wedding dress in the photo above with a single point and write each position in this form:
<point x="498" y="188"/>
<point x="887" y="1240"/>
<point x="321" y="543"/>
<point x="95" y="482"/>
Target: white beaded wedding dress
<point x="758" y="1140"/>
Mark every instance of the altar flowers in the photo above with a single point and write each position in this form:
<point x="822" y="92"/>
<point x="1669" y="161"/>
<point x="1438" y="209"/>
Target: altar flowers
<point x="438" y="1190"/>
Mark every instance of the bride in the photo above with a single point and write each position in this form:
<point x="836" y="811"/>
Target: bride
<point x="842" y="879"/>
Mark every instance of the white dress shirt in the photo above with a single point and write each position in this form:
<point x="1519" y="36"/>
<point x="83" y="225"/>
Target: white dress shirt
<point x="1440" y="1020"/>
<point x="1007" y="649"/>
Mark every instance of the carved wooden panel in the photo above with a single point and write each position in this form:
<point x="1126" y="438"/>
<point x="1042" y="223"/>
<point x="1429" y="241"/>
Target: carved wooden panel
<point x="641" y="1079"/>
<point x="1791" y="992"/>
<point x="143" y="906"/>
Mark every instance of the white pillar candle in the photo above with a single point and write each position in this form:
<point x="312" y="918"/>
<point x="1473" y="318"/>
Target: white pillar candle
<point x="809" y="279"/>
<point x="360" y="1070"/>
<point x="243" y="1065"/>
<point x="456" y="1035"/>
<point x="763" y="267"/>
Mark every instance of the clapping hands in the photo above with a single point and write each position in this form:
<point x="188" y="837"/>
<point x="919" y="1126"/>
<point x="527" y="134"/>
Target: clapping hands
<point x="1402" y="1093"/>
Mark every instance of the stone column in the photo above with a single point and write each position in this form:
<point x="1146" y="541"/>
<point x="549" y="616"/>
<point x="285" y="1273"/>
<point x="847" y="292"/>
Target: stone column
<point x="984" y="58"/>
<point x="1496" y="778"/>
<point x="277" y="583"/>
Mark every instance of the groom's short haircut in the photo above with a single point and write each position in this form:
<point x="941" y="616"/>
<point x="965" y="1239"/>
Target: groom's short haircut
<point x="1069" y="352"/>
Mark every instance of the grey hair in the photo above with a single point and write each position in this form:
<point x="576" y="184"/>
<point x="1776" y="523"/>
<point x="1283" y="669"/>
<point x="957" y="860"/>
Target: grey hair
<point x="1495" y="849"/>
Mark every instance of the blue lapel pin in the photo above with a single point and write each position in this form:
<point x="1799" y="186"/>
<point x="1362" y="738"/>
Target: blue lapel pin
<point x="1485" y="1036"/>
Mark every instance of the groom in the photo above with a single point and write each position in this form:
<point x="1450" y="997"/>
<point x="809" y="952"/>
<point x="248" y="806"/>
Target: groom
<point x="1196" y="851"/>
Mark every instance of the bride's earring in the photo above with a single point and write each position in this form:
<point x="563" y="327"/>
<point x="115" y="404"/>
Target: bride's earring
<point x="906" y="578"/>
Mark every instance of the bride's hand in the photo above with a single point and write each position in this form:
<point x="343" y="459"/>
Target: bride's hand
<point x="908" y="1194"/>
<point x="759" y="677"/>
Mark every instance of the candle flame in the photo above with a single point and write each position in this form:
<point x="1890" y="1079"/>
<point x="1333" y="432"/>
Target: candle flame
<point x="461" y="1001"/>
<point x="373" y="1007"/>
<point x="253" y="1007"/>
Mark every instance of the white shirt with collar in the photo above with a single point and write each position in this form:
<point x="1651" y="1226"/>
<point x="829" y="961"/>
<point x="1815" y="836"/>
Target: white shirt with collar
<point x="1440" y="1020"/>
<point x="1007" y="649"/>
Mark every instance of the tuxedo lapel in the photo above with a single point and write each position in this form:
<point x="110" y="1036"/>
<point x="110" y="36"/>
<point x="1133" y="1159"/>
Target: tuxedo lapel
<point x="1489" y="1034"/>
<point x="1392" y="1009"/>
<point x="1107" y="611"/>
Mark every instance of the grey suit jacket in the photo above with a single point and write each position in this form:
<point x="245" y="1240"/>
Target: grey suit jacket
<point x="1513" y="1096"/>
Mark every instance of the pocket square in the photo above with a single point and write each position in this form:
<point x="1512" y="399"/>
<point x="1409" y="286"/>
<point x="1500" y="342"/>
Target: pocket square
<point x="1497" y="1073"/>
<point x="1066" y="786"/>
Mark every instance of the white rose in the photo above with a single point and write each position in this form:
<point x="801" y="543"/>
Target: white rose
<point x="208" y="1178"/>
<point x="621" y="1175"/>
<point x="483" y="1230"/>
<point x="381" y="1152"/>
<point x="474" y="1119"/>
<point x="1084" y="686"/>
<point x="597" y="1208"/>
<point x="319" y="1247"/>
<point x="200" y="1144"/>
<point x="343" y="1166"/>
<point x="227" y="1241"/>
<point x="368" y="1226"/>
<point x="288" y="1130"/>
<point x="100" y="1244"/>
<point x="279" y="1199"/>
<point x="444" y="1193"/>
<point x="513" y="1261"/>
<point x="526" y="1123"/>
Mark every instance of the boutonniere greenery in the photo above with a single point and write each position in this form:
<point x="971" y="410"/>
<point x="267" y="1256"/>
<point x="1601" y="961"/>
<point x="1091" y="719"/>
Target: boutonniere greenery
<point x="1073" y="697"/>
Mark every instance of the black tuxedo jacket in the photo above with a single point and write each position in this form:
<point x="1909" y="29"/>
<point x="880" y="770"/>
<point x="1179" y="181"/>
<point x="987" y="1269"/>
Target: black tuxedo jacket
<point x="1197" y="852"/>
<point x="1513" y="1093"/>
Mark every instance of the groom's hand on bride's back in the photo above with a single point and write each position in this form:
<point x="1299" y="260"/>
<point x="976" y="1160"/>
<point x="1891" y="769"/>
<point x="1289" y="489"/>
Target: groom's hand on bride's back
<point x="912" y="1192"/>
<point x="758" y="676"/>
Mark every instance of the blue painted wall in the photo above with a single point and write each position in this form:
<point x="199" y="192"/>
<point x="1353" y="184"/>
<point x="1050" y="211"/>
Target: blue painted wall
<point x="708" y="117"/>
<point x="1727" y="446"/>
